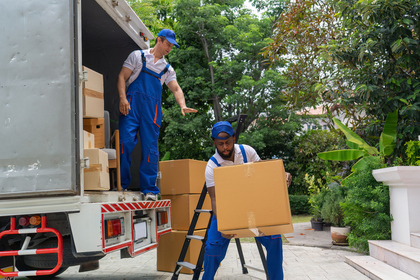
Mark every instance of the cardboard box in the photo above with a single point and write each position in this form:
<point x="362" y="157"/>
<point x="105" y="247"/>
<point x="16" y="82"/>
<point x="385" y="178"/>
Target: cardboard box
<point x="169" y="249"/>
<point x="96" y="127"/>
<point x="93" y="95"/>
<point x="252" y="199"/>
<point x="184" y="176"/>
<point x="88" y="140"/>
<point x="182" y="210"/>
<point x="97" y="175"/>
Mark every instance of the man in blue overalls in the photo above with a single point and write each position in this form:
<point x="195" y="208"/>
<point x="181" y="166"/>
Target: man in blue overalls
<point x="228" y="153"/>
<point x="140" y="90"/>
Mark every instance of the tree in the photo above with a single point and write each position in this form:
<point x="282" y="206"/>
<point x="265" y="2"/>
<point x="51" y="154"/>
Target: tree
<point x="155" y="14"/>
<point x="380" y="45"/>
<point x="299" y="36"/>
<point x="219" y="66"/>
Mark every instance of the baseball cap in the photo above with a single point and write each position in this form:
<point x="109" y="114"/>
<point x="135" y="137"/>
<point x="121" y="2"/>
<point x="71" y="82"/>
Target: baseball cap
<point x="222" y="126"/>
<point x="169" y="35"/>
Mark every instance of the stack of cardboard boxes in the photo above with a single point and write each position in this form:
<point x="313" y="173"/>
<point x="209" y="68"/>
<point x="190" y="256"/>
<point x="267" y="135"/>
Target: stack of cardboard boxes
<point x="182" y="182"/>
<point x="97" y="176"/>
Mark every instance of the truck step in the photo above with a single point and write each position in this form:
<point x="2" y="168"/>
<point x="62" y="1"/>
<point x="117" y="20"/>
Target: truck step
<point x="196" y="237"/>
<point x="203" y="211"/>
<point x="188" y="265"/>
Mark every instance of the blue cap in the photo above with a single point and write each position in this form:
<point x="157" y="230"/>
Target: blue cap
<point x="222" y="126"/>
<point x="169" y="35"/>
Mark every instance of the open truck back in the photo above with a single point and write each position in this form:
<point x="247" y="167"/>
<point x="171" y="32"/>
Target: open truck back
<point x="48" y="221"/>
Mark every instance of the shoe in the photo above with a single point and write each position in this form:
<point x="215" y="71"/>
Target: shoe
<point x="151" y="196"/>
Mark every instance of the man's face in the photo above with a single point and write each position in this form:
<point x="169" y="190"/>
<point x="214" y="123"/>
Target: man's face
<point x="225" y="147"/>
<point x="165" y="46"/>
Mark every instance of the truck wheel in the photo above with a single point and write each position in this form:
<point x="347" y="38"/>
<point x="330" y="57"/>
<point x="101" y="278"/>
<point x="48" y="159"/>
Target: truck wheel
<point x="21" y="265"/>
<point x="47" y="261"/>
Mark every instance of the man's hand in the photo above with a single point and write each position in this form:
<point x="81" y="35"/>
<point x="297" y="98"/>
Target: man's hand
<point x="124" y="106"/>
<point x="228" y="236"/>
<point x="288" y="179"/>
<point x="187" y="110"/>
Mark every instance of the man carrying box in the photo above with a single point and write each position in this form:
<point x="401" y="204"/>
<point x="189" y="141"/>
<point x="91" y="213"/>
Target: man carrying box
<point x="228" y="153"/>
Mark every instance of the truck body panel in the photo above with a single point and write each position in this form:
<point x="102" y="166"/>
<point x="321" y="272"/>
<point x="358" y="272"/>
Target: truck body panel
<point x="38" y="89"/>
<point x="44" y="46"/>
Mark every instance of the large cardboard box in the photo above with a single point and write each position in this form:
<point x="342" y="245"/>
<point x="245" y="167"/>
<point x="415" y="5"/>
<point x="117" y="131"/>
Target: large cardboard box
<point x="182" y="210"/>
<point x="184" y="176"/>
<point x="88" y="140"/>
<point x="93" y="95"/>
<point x="96" y="127"/>
<point x="169" y="249"/>
<point x="97" y="175"/>
<point x="252" y="199"/>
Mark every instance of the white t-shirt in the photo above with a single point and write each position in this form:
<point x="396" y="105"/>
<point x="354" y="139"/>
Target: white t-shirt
<point x="135" y="64"/>
<point x="251" y="156"/>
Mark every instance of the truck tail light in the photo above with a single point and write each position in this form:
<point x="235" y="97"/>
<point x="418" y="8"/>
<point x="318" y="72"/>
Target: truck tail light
<point x="24" y="221"/>
<point x="35" y="220"/>
<point x="162" y="218"/>
<point x="114" y="227"/>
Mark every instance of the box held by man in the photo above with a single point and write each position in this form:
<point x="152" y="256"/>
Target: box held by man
<point x="252" y="199"/>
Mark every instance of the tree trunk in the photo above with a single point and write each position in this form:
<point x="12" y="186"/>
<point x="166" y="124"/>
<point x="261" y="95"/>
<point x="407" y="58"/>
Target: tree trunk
<point x="216" y="104"/>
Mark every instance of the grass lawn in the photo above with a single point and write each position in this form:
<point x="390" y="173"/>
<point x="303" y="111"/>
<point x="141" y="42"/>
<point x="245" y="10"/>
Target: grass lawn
<point x="295" y="219"/>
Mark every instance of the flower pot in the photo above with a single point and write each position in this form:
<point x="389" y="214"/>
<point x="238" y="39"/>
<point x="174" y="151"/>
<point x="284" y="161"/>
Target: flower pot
<point x="318" y="226"/>
<point x="339" y="235"/>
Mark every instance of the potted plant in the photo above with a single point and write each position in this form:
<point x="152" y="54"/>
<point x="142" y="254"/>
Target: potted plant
<point x="317" y="193"/>
<point x="332" y="212"/>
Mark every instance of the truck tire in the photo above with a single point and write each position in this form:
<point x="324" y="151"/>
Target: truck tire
<point x="48" y="261"/>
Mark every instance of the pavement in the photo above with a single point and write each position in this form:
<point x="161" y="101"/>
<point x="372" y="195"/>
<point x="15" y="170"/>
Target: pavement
<point x="307" y="255"/>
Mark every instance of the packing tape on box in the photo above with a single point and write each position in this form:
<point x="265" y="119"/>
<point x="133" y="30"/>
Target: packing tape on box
<point x="94" y="168"/>
<point x="249" y="169"/>
<point x="93" y="93"/>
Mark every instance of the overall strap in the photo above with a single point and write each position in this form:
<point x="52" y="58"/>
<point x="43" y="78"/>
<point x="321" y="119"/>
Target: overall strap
<point x="150" y="72"/>
<point x="165" y="70"/>
<point x="215" y="161"/>
<point x="143" y="59"/>
<point x="243" y="153"/>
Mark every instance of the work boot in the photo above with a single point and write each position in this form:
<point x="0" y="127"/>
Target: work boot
<point x="150" y="196"/>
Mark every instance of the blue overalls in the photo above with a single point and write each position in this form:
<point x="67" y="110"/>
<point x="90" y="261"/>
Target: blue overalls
<point x="145" y="116"/>
<point x="217" y="245"/>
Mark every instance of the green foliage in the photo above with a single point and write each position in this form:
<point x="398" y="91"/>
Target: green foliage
<point x="299" y="204"/>
<point x="155" y="14"/>
<point x="379" y="46"/>
<point x="366" y="208"/>
<point x="317" y="192"/>
<point x="360" y="149"/>
<point x="273" y="133"/>
<point x="332" y="211"/>
<point x="305" y="160"/>
<point x="413" y="153"/>
<point x="222" y="74"/>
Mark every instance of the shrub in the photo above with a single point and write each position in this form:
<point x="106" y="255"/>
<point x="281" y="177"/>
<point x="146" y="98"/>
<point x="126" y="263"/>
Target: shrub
<point x="366" y="208"/>
<point x="299" y="204"/>
<point x="306" y="161"/>
<point x="413" y="153"/>
<point x="332" y="211"/>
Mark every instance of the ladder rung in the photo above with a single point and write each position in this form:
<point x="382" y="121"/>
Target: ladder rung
<point x="254" y="268"/>
<point x="203" y="211"/>
<point x="196" y="237"/>
<point x="188" y="265"/>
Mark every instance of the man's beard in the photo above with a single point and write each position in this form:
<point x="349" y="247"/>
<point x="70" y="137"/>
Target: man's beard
<point x="225" y="157"/>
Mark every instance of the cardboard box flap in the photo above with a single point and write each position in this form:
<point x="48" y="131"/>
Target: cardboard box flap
<point x="261" y="231"/>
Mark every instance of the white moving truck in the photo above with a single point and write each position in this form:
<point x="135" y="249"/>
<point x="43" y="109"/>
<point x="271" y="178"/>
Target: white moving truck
<point x="48" y="220"/>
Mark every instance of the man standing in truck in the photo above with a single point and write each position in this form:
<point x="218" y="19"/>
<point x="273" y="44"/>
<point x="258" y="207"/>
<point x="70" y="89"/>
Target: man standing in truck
<point x="228" y="153"/>
<point x="140" y="90"/>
